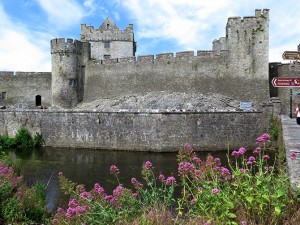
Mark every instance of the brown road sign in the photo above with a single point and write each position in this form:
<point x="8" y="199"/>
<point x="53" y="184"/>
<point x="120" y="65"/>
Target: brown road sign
<point x="291" y="55"/>
<point x="285" y="82"/>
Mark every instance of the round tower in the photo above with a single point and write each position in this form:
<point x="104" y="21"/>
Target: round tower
<point x="65" y="56"/>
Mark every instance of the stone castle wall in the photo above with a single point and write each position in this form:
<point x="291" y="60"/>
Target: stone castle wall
<point x="140" y="131"/>
<point x="21" y="88"/>
<point x="205" y="73"/>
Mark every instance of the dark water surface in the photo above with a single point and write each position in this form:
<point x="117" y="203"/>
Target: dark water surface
<point x="89" y="167"/>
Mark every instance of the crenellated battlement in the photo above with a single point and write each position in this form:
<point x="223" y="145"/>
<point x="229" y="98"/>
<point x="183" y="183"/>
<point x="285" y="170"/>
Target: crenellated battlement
<point x="89" y="33"/>
<point x="248" y="20"/>
<point x="62" y="45"/>
<point x="178" y="56"/>
<point x="23" y="74"/>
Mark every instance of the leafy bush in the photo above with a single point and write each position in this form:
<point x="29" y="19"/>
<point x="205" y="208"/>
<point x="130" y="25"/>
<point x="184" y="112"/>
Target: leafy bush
<point x="23" y="140"/>
<point x="18" y="202"/>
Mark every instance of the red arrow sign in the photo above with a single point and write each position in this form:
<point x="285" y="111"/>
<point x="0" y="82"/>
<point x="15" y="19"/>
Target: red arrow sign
<point x="285" y="82"/>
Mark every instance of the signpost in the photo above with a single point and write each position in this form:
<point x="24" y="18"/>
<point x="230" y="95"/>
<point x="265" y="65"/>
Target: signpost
<point x="288" y="82"/>
<point x="285" y="82"/>
<point x="291" y="55"/>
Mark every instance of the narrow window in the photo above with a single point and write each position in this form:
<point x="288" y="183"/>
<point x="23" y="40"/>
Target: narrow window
<point x="3" y="95"/>
<point x="107" y="26"/>
<point x="106" y="44"/>
<point x="107" y="56"/>
<point x="73" y="82"/>
<point x="38" y="100"/>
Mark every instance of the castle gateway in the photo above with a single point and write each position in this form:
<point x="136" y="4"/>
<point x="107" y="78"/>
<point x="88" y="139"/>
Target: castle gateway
<point x="100" y="95"/>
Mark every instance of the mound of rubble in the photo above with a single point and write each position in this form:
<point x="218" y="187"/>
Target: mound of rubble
<point x="171" y="101"/>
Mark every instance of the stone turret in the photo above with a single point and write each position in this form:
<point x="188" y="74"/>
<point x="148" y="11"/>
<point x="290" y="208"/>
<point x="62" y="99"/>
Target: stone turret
<point x="68" y="59"/>
<point x="247" y="39"/>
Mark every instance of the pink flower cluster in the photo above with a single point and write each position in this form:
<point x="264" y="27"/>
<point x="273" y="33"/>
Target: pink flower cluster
<point x="148" y="164"/>
<point x="263" y="139"/>
<point x="8" y="176"/>
<point x="114" y="170"/>
<point x="99" y="189"/>
<point x="238" y="153"/>
<point x="293" y="155"/>
<point x="136" y="184"/>
<point x="170" y="181"/>
<point x="185" y="168"/>
<point x="251" y="160"/>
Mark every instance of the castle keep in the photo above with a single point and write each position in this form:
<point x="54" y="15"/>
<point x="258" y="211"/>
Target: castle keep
<point x="100" y="95"/>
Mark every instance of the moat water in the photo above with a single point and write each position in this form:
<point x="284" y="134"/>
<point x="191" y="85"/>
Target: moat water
<point x="89" y="167"/>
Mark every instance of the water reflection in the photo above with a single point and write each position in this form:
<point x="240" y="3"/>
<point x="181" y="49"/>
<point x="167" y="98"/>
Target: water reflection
<point x="89" y="167"/>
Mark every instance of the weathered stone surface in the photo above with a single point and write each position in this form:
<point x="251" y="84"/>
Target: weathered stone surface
<point x="291" y="138"/>
<point x="153" y="130"/>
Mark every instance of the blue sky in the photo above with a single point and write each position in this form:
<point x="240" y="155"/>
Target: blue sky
<point x="27" y="26"/>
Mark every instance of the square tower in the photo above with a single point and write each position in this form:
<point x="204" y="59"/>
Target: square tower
<point x="108" y="41"/>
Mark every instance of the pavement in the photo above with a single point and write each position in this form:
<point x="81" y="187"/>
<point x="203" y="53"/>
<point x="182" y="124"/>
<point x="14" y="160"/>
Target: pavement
<point x="291" y="138"/>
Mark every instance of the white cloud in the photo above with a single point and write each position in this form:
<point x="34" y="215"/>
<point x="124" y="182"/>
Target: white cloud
<point x="18" y="54"/>
<point x="18" y="50"/>
<point x="63" y="13"/>
<point x="186" y="22"/>
<point x="194" y="24"/>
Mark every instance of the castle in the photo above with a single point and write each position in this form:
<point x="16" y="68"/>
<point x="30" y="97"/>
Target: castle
<point x="102" y="65"/>
<point x="100" y="95"/>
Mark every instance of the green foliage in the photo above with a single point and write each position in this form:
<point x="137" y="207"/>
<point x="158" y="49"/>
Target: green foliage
<point x="20" y="204"/>
<point x="275" y="128"/>
<point x="23" y="141"/>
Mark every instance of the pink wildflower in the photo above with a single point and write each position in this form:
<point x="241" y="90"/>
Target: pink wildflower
<point x="54" y="221"/>
<point x="252" y="159"/>
<point x="257" y="150"/>
<point x="60" y="210"/>
<point x="60" y="174"/>
<point x="161" y="177"/>
<point x="114" y="170"/>
<point x="266" y="137"/>
<point x="118" y="190"/>
<point x="244" y="222"/>
<point x="86" y="195"/>
<point x="259" y="140"/>
<point x="293" y="155"/>
<point x="217" y="161"/>
<point x="188" y="148"/>
<point x="242" y="151"/>
<point x="134" y="180"/>
<point x="109" y="198"/>
<point x="235" y="154"/>
<point x="73" y="203"/>
<point x="266" y="157"/>
<point x="215" y="191"/>
<point x="79" y="210"/>
<point x="207" y="223"/>
<point x="263" y="138"/>
<point x="148" y="164"/>
<point x="197" y="160"/>
<point x="99" y="189"/>
<point x="193" y="201"/>
<point x="170" y="180"/>
<point x="185" y="168"/>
